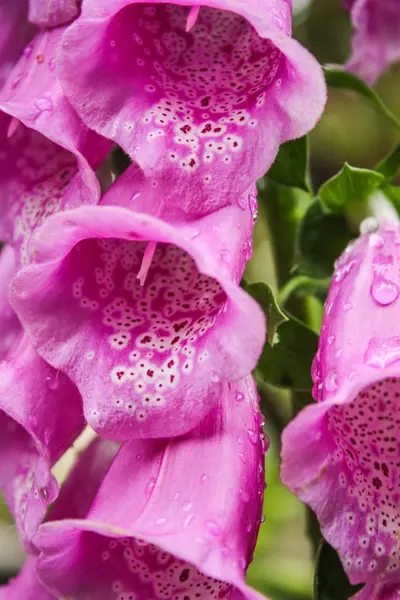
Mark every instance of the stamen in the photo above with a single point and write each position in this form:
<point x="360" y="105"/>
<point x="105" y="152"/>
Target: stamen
<point x="192" y="17"/>
<point x="146" y="262"/>
<point x="13" y="126"/>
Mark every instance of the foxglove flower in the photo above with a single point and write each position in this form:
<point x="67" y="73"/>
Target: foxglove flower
<point x="376" y="40"/>
<point x="15" y="32"/>
<point x="52" y="13"/>
<point x="48" y="156"/>
<point x="40" y="416"/>
<point x="159" y="527"/>
<point x="341" y="455"/>
<point x="201" y="96"/>
<point x="74" y="501"/>
<point x="144" y="315"/>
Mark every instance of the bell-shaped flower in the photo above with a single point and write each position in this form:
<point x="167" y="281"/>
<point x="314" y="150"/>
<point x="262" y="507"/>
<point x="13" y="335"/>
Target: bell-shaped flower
<point x="15" y="32"/>
<point x="74" y="501"/>
<point x="201" y="95"/>
<point x="161" y="528"/>
<point x="145" y="315"/>
<point x="52" y="13"/>
<point x="376" y="39"/>
<point x="47" y="156"/>
<point x="380" y="591"/>
<point x="341" y="455"/>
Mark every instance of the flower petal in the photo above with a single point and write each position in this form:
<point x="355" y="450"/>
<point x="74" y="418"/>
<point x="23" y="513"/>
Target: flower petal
<point x="52" y="13"/>
<point x="207" y="108"/>
<point x="40" y="416"/>
<point x="9" y="325"/>
<point x="26" y="585"/>
<point x="159" y="526"/>
<point x="33" y="95"/>
<point x="16" y="31"/>
<point x="340" y="456"/>
<point x="149" y="359"/>
<point x="375" y="44"/>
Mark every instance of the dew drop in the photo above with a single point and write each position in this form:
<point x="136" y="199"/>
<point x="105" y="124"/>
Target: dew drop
<point x="43" y="104"/>
<point x="382" y="352"/>
<point x="253" y="436"/>
<point x="241" y="202"/>
<point x="239" y="397"/>
<point x="213" y="528"/>
<point x="384" y="292"/>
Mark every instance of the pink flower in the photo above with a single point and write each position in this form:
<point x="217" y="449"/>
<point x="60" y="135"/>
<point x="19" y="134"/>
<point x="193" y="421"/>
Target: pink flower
<point x="145" y="315"/>
<point x="340" y="455"/>
<point x="40" y="416"/>
<point x="52" y="13"/>
<point x="203" y="95"/>
<point x="160" y="526"/>
<point x="48" y="156"/>
<point x="376" y="40"/>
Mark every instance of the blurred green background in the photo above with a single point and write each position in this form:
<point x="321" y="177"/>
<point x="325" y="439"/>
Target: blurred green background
<point x="351" y="131"/>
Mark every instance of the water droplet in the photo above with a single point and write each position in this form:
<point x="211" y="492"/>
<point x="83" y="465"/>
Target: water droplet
<point x="330" y="382"/>
<point x="347" y="306"/>
<point x="241" y="202"/>
<point x="264" y="443"/>
<point x="161" y="521"/>
<point x="52" y="64"/>
<point x="43" y="104"/>
<point x="382" y="352"/>
<point x="150" y="486"/>
<point x="253" y="436"/>
<point x="176" y="495"/>
<point x="343" y="271"/>
<point x="213" y="528"/>
<point x="242" y="457"/>
<point x="253" y="205"/>
<point x="239" y="440"/>
<point x="331" y="339"/>
<point x="52" y="381"/>
<point x="189" y="519"/>
<point x="248" y="249"/>
<point x="187" y="505"/>
<point x="16" y="81"/>
<point x="262" y="519"/>
<point x="204" y="478"/>
<point x="44" y="494"/>
<point x="239" y="397"/>
<point x="383" y="291"/>
<point x="226" y="256"/>
<point x="27" y="51"/>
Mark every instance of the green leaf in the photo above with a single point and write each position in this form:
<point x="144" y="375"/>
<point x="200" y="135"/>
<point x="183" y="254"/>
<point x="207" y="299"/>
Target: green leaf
<point x="390" y="165"/>
<point x="303" y="285"/>
<point x="348" y="187"/>
<point x="331" y="582"/>
<point x="321" y="239"/>
<point x="266" y="299"/>
<point x="339" y="78"/>
<point x="287" y="362"/>
<point x="291" y="165"/>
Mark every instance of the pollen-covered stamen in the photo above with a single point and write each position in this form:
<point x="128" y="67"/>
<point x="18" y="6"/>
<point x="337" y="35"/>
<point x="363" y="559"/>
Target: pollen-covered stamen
<point x="13" y="126"/>
<point x="192" y="17"/>
<point x="146" y="262"/>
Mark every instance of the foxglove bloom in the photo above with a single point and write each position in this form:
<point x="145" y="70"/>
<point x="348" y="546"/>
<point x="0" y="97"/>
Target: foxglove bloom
<point x="144" y="315"/>
<point x="376" y="40"/>
<point x="74" y="501"/>
<point x="201" y="96"/>
<point x="52" y="13"/>
<point x="9" y="325"/>
<point x="160" y="528"/>
<point x="341" y="455"/>
<point x="48" y="156"/>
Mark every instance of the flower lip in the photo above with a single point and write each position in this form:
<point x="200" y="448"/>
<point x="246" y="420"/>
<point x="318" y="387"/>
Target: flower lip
<point x="217" y="336"/>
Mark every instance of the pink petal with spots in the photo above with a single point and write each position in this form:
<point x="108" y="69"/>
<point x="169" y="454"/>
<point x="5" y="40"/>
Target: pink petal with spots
<point x="376" y="39"/>
<point x="52" y="13"/>
<point x="9" y="325"/>
<point x="161" y="528"/>
<point x="208" y="107"/>
<point x="40" y="416"/>
<point x="379" y="592"/>
<point x="33" y="95"/>
<point x="15" y="32"/>
<point x="26" y="586"/>
<point x="340" y="455"/>
<point x="149" y="360"/>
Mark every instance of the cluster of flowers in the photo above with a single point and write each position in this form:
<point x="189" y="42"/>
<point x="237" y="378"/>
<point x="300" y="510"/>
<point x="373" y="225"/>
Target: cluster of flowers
<point x="121" y="306"/>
